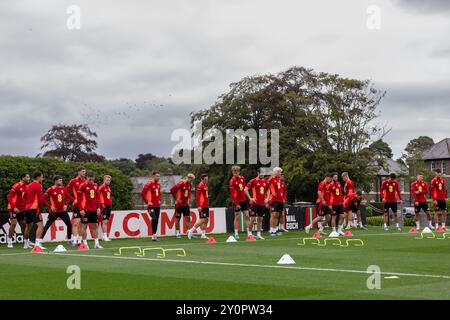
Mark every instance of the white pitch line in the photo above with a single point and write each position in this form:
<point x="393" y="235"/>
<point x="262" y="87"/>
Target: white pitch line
<point x="416" y="275"/>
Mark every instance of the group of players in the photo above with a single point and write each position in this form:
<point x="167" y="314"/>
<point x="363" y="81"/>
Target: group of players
<point x="91" y="205"/>
<point x="334" y="203"/>
<point x="261" y="196"/>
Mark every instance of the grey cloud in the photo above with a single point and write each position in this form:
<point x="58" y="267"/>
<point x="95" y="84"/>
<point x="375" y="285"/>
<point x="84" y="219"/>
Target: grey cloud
<point x="425" y="6"/>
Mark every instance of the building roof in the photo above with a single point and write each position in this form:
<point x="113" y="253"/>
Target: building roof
<point x="439" y="151"/>
<point x="166" y="183"/>
<point x="390" y="166"/>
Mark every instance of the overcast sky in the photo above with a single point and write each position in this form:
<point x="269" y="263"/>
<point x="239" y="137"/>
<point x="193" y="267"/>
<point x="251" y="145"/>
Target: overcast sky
<point x="136" y="69"/>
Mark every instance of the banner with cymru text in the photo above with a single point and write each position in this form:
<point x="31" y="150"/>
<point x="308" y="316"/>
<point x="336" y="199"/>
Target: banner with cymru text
<point x="131" y="224"/>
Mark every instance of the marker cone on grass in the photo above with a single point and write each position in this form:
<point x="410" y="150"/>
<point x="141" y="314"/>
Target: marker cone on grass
<point x="37" y="249"/>
<point x="211" y="241"/>
<point x="251" y="238"/>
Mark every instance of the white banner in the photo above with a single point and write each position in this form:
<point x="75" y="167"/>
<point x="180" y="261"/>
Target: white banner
<point x="131" y="224"/>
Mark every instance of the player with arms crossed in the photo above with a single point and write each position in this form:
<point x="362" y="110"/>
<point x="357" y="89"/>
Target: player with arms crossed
<point x="106" y="202"/>
<point x="275" y="200"/>
<point x="419" y="189"/>
<point x="323" y="205"/>
<point x="237" y="193"/>
<point x="181" y="192"/>
<point x="74" y="186"/>
<point x="202" y="199"/>
<point x="259" y="200"/>
<point x="440" y="197"/>
<point x="89" y="208"/>
<point x="17" y="198"/>
<point x="151" y="194"/>
<point x="337" y="203"/>
<point x="391" y="195"/>
<point x="59" y="200"/>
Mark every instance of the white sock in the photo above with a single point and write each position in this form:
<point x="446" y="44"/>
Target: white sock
<point x="443" y="224"/>
<point x="204" y="232"/>
<point x="385" y="225"/>
<point x="418" y="225"/>
<point x="309" y="227"/>
<point x="38" y="242"/>
<point x="192" y="230"/>
<point x="340" y="227"/>
<point x="236" y="231"/>
<point x="334" y="229"/>
<point x="397" y="225"/>
<point x="85" y="242"/>
<point x="258" y="233"/>
<point x="9" y="240"/>
<point x="178" y="232"/>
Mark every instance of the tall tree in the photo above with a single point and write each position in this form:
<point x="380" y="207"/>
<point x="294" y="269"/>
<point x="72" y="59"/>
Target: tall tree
<point x="71" y="143"/>
<point x="413" y="155"/>
<point x="316" y="114"/>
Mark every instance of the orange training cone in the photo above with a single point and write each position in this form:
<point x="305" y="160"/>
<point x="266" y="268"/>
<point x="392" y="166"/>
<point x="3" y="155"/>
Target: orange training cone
<point x="211" y="241"/>
<point x="317" y="235"/>
<point x="251" y="238"/>
<point x="83" y="247"/>
<point x="413" y="230"/>
<point x="348" y="234"/>
<point x="440" y="229"/>
<point x="37" y="249"/>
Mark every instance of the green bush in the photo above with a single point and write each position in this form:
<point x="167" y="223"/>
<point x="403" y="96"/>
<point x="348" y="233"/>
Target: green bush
<point x="369" y="212"/>
<point x="12" y="167"/>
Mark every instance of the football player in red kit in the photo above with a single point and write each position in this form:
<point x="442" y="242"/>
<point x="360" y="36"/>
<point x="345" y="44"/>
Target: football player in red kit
<point x="151" y="194"/>
<point x="276" y="200"/>
<point x="353" y="203"/>
<point x="349" y="187"/>
<point x="282" y="225"/>
<point x="259" y="200"/>
<point x="106" y="202"/>
<point x="16" y="207"/>
<point x="391" y="195"/>
<point x="35" y="200"/>
<point x="323" y="205"/>
<point x="419" y="189"/>
<point x="181" y="192"/>
<point x="59" y="199"/>
<point x="237" y="193"/>
<point x="74" y="186"/>
<point x="440" y="197"/>
<point x="337" y="204"/>
<point x="89" y="198"/>
<point x="202" y="199"/>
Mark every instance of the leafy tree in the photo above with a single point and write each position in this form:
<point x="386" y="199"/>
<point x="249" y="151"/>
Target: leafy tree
<point x="381" y="149"/>
<point x="144" y="161"/>
<point x="413" y="155"/>
<point x="71" y="143"/>
<point x="319" y="116"/>
<point x="12" y="167"/>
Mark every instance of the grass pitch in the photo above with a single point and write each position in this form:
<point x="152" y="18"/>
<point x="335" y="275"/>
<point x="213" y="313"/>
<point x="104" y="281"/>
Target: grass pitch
<point x="243" y="270"/>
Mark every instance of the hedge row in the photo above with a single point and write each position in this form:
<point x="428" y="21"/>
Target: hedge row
<point x="12" y="167"/>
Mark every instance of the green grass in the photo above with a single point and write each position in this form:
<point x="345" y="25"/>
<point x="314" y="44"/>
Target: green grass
<point x="235" y="271"/>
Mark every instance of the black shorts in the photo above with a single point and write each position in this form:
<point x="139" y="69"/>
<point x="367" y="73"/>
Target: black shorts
<point x="422" y="206"/>
<point x="76" y="213"/>
<point x="106" y="213"/>
<point x="19" y="216"/>
<point x="322" y="210"/>
<point x="243" y="206"/>
<point x="204" y="213"/>
<point x="338" y="210"/>
<point x="90" y="217"/>
<point x="154" y="212"/>
<point x="258" y="211"/>
<point x="353" y="208"/>
<point x="32" y="216"/>
<point x="392" y="206"/>
<point x="183" y="210"/>
<point x="277" y="207"/>
<point x="441" y="205"/>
